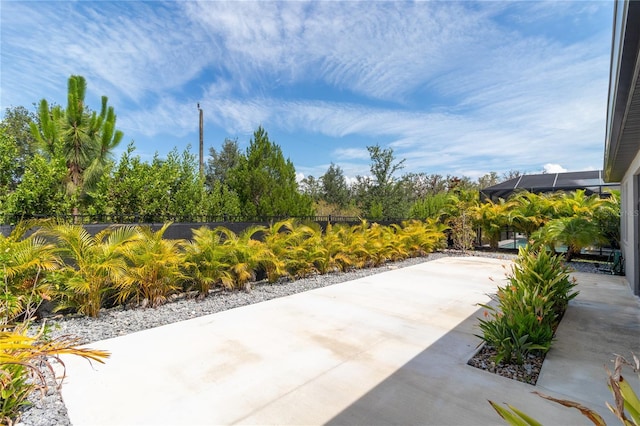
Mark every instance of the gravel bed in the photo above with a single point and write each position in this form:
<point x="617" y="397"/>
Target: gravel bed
<point x="50" y="410"/>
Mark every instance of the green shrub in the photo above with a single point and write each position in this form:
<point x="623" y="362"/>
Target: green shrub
<point x="529" y="307"/>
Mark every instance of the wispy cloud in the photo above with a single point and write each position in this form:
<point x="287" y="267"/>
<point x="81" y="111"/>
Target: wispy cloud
<point x="454" y="86"/>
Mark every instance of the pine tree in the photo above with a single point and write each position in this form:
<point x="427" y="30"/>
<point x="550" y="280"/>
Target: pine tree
<point x="83" y="138"/>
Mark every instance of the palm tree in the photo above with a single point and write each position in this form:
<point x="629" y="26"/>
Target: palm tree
<point x="419" y="238"/>
<point x="492" y="218"/>
<point x="574" y="232"/>
<point x="578" y="203"/>
<point x="203" y="260"/>
<point x="23" y="262"/>
<point x="578" y="222"/>
<point x="92" y="264"/>
<point x="153" y="269"/>
<point x="333" y="254"/>
<point x="243" y="255"/>
<point x="297" y="246"/>
<point x="530" y="211"/>
<point x="84" y="139"/>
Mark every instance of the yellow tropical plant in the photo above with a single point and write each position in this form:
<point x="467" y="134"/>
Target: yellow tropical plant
<point x="153" y="268"/>
<point x="355" y="239"/>
<point x="93" y="265"/>
<point x="333" y="253"/>
<point x="420" y="238"/>
<point x="295" y="246"/>
<point x="21" y="360"/>
<point x="203" y="260"/>
<point x="530" y="211"/>
<point x="382" y="245"/>
<point x="244" y="254"/>
<point x="24" y="263"/>
<point x="492" y="217"/>
<point x="307" y="252"/>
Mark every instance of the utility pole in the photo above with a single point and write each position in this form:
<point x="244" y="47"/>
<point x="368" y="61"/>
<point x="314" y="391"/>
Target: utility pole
<point x="201" y="141"/>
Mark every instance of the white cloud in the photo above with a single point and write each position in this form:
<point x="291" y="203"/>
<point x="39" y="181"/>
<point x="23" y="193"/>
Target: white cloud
<point x="456" y="86"/>
<point x="553" y="168"/>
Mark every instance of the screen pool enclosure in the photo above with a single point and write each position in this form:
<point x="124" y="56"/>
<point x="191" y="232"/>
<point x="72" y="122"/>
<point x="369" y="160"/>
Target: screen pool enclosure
<point x="591" y="181"/>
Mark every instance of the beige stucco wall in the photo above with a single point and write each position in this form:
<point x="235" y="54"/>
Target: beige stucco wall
<point x="629" y="223"/>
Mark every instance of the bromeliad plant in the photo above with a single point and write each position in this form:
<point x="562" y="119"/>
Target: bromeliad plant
<point x="529" y="307"/>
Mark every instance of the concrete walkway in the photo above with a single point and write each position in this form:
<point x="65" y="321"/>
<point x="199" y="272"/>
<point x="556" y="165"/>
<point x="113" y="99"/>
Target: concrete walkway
<point x="386" y="349"/>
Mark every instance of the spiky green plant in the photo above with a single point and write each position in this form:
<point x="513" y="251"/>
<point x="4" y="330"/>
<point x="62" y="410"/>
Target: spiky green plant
<point x="576" y="233"/>
<point x="530" y="211"/>
<point x="528" y="307"/>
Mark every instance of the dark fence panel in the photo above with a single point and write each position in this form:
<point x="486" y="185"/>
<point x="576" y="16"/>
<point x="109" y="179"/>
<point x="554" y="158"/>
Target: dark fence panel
<point x="184" y="229"/>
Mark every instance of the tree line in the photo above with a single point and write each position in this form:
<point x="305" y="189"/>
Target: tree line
<point x="57" y="162"/>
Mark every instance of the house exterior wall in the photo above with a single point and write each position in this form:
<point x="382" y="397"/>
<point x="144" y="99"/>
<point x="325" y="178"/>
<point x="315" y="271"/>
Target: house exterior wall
<point x="630" y="223"/>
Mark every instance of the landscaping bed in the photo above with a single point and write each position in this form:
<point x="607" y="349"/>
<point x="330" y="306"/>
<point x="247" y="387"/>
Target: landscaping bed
<point x="115" y="322"/>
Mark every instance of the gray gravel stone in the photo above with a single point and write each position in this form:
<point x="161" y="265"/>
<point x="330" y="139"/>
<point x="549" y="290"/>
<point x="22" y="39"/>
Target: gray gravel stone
<point x="50" y="410"/>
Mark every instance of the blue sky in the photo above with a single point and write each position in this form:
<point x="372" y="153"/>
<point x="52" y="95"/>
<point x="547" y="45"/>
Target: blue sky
<point x="459" y="88"/>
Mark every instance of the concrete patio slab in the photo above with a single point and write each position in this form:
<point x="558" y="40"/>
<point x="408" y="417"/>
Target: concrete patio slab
<point x="386" y="349"/>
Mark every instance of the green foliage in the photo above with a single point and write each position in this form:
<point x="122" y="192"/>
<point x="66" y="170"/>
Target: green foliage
<point x="16" y="125"/>
<point x="221" y="201"/>
<point x="23" y="265"/>
<point x="9" y="167"/>
<point x="82" y="139"/>
<point x="203" y="260"/>
<point x="579" y="222"/>
<point x="430" y="207"/>
<point x="458" y="215"/>
<point x="266" y="183"/>
<point x="221" y="163"/>
<point x="334" y="187"/>
<point x="492" y="217"/>
<point x="382" y="195"/>
<point x="40" y="191"/>
<point x="93" y="265"/>
<point x="529" y="307"/>
<point x="21" y="358"/>
<point x="153" y="268"/>
<point x="574" y="232"/>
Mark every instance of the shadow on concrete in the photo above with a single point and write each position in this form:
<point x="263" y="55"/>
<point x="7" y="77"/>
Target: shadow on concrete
<point x="438" y="387"/>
